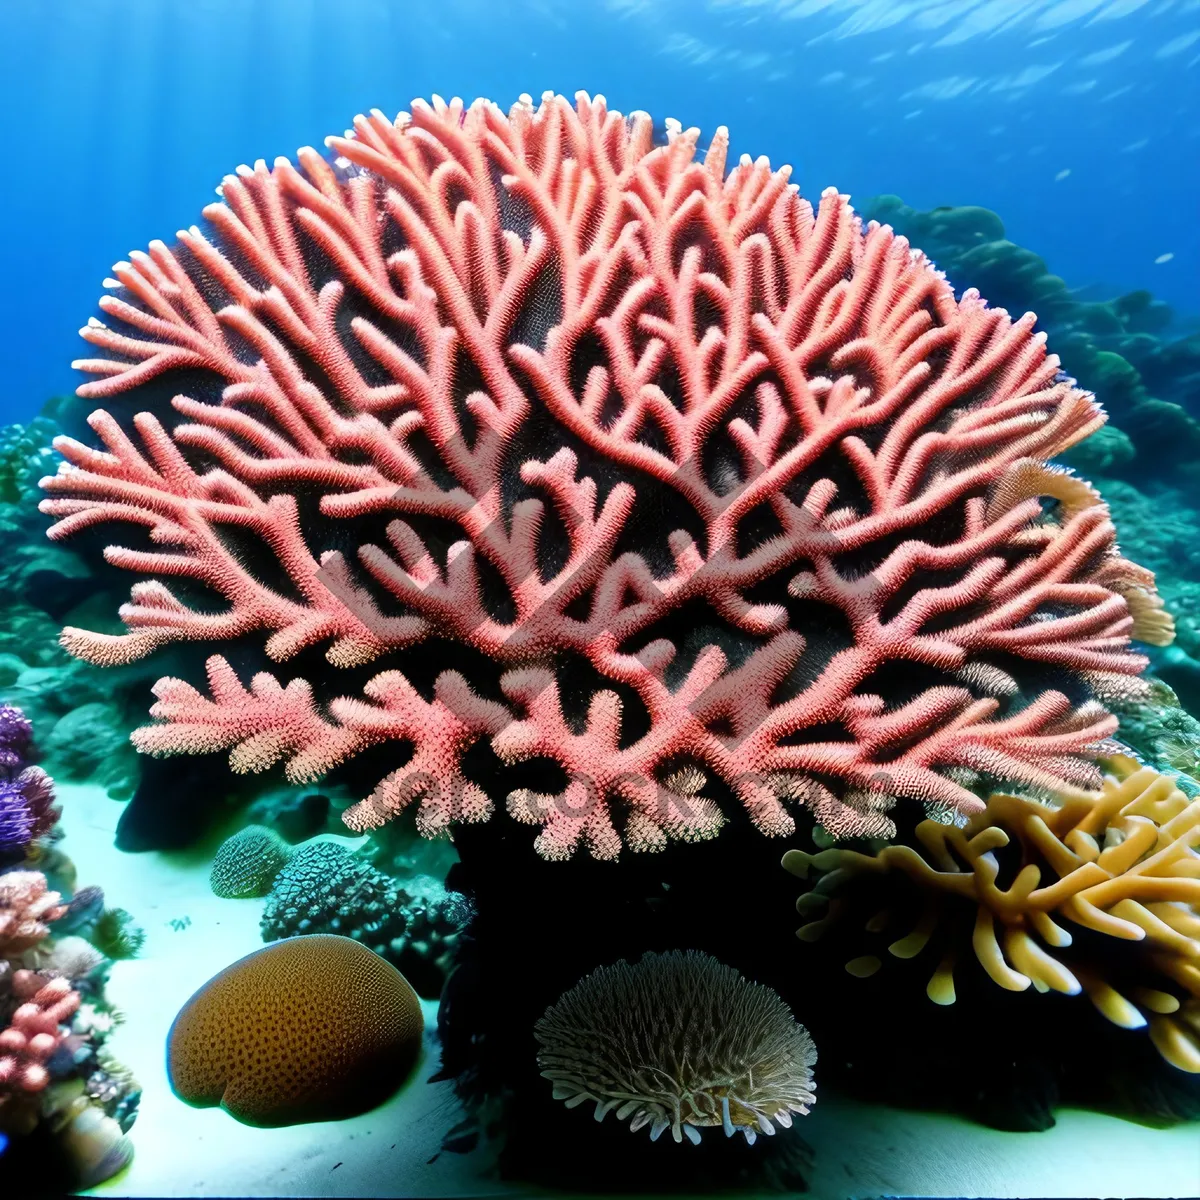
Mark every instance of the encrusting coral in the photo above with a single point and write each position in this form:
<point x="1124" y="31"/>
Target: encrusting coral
<point x="719" y="499"/>
<point x="413" y="923"/>
<point x="678" y="1041"/>
<point x="113" y="1087"/>
<point x="1099" y="896"/>
<point x="308" y="1029"/>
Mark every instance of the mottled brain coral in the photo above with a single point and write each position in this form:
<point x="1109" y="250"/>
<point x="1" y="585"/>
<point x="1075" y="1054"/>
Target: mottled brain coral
<point x="615" y="463"/>
<point x="309" y="1029"/>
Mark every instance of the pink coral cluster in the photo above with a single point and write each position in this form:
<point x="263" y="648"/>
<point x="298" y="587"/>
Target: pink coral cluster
<point x="27" y="907"/>
<point x="35" y="1032"/>
<point x="731" y="500"/>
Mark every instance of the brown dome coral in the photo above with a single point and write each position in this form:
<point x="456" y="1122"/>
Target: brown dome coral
<point x="1099" y="896"/>
<point x="309" y="1029"/>
<point x="678" y="1041"/>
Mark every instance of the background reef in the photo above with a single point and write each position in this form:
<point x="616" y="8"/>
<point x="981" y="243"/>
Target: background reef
<point x="1144" y="368"/>
<point x="877" y="1038"/>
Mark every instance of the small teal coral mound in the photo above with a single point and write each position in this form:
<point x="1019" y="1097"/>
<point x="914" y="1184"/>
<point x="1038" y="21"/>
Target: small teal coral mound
<point x="247" y="863"/>
<point x="415" y="924"/>
<point x="678" y="1041"/>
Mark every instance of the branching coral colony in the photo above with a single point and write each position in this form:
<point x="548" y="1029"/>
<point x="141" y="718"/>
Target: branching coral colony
<point x="583" y="401"/>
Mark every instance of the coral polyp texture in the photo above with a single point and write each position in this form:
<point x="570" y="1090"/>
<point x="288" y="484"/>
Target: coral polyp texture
<point x="27" y="909"/>
<point x="27" y="810"/>
<point x="415" y="924"/>
<point x="247" y="863"/>
<point x="35" y="1031"/>
<point x="16" y="737"/>
<point x="1097" y="896"/>
<point x="678" y="1041"/>
<point x="718" y="499"/>
<point x="309" y="1029"/>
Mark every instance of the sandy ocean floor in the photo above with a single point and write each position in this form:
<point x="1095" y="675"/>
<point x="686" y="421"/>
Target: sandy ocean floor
<point x="180" y="1151"/>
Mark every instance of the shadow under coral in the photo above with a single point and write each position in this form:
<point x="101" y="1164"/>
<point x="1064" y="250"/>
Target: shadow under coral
<point x="1006" y="1060"/>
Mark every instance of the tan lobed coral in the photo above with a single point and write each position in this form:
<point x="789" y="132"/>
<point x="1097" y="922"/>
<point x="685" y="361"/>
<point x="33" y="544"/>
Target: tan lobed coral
<point x="1123" y="865"/>
<point x="678" y="1041"/>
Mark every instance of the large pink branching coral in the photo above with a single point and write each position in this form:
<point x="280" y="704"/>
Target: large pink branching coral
<point x="728" y="497"/>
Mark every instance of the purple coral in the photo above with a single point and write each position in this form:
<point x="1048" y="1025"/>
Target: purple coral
<point x="16" y="734"/>
<point x="27" y="811"/>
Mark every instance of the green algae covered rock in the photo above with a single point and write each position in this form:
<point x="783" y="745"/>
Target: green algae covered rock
<point x="247" y="864"/>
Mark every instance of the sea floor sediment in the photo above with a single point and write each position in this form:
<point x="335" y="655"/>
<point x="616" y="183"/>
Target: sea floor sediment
<point x="395" y="1150"/>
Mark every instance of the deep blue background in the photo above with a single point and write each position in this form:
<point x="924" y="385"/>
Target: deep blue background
<point x="121" y="116"/>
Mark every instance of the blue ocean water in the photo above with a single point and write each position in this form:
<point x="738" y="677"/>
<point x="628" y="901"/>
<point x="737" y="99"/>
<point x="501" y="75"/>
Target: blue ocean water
<point x="1078" y="121"/>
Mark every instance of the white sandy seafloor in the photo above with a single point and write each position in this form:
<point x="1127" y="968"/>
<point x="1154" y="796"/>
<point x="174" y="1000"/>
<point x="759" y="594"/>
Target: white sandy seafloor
<point x="859" y="1150"/>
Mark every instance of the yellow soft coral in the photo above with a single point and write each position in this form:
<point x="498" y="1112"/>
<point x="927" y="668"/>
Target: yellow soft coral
<point x="1123" y="864"/>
